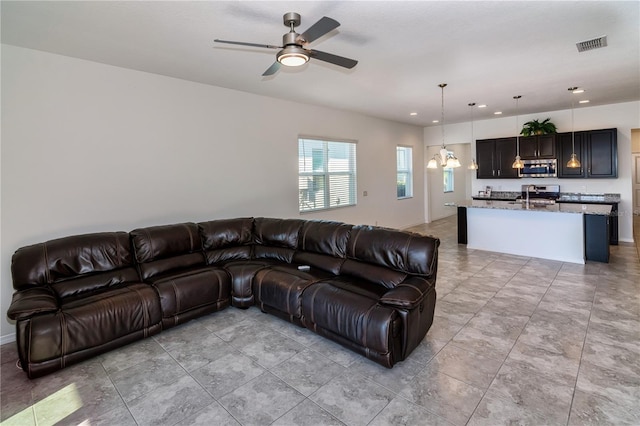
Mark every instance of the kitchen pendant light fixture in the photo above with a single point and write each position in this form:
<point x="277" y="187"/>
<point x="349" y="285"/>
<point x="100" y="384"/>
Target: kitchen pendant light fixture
<point x="573" y="162"/>
<point x="517" y="164"/>
<point x="446" y="159"/>
<point x="473" y="165"/>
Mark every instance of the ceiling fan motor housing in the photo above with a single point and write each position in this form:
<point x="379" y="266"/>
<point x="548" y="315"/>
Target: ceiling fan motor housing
<point x="291" y="39"/>
<point x="291" y="18"/>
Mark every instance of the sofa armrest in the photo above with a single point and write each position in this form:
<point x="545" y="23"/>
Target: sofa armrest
<point x="409" y="293"/>
<point x="30" y="302"/>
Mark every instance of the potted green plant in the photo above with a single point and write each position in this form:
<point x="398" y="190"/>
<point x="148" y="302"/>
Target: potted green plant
<point x="535" y="127"/>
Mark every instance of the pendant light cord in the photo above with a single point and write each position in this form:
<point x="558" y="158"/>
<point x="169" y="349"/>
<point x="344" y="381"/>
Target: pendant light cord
<point x="573" y="133"/>
<point x="442" y="86"/>
<point x="517" y="98"/>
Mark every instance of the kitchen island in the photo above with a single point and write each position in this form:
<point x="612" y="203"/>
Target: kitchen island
<point x="565" y="232"/>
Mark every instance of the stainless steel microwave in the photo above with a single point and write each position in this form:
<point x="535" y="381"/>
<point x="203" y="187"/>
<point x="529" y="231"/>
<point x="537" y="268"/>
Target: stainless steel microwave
<point x="539" y="168"/>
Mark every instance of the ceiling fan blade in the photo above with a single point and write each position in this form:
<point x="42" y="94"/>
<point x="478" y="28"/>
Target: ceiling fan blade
<point x="272" y="69"/>
<point x="320" y="28"/>
<point x="333" y="59"/>
<point x="241" y="43"/>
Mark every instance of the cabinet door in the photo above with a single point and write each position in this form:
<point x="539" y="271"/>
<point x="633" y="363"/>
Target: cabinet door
<point x="547" y="146"/>
<point x="505" y="154"/>
<point x="529" y="147"/>
<point x="485" y="150"/>
<point x="602" y="154"/>
<point x="564" y="154"/>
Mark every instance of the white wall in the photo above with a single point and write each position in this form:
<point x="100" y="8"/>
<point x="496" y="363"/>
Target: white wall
<point x="88" y="147"/>
<point x="623" y="116"/>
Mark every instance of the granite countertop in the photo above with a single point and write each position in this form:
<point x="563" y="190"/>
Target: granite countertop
<point x="588" y="198"/>
<point x="565" y="197"/>
<point x="602" y="209"/>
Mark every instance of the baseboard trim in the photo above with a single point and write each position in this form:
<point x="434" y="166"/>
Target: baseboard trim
<point x="9" y="338"/>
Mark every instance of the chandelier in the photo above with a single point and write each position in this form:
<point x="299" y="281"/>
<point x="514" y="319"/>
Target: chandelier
<point x="445" y="158"/>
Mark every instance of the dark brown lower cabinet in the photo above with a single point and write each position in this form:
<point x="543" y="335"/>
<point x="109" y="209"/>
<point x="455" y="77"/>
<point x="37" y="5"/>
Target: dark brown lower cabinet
<point x="596" y="237"/>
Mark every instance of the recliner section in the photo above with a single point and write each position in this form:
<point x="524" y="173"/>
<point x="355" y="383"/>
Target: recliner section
<point x="66" y="292"/>
<point x="170" y="257"/>
<point x="370" y="289"/>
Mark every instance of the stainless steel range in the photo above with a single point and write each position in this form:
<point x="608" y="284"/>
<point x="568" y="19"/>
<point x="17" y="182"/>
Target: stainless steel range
<point x="540" y="194"/>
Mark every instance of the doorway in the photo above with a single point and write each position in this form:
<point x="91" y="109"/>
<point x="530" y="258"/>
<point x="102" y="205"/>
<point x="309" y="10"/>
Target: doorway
<point x="635" y="190"/>
<point x="448" y="187"/>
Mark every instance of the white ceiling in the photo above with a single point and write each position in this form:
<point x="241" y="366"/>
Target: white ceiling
<point x="486" y="52"/>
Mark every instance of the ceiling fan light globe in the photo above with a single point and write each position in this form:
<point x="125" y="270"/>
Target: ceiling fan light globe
<point x="293" y="59"/>
<point x="293" y="56"/>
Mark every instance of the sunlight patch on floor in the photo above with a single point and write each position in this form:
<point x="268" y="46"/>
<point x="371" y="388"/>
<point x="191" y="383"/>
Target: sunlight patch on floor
<point x="58" y="406"/>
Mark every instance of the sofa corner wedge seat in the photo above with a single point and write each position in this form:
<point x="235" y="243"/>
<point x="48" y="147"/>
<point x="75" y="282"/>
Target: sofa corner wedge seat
<point x="370" y="289"/>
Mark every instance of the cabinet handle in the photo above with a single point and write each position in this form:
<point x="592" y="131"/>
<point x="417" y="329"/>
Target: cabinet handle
<point x="498" y="172"/>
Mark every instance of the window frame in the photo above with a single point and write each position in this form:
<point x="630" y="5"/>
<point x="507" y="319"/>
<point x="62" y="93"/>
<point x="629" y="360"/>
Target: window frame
<point x="325" y="176"/>
<point x="451" y="187"/>
<point x="408" y="172"/>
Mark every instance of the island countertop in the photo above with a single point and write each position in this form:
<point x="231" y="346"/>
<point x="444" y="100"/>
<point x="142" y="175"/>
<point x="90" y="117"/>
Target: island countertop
<point x="565" y="197"/>
<point x="599" y="209"/>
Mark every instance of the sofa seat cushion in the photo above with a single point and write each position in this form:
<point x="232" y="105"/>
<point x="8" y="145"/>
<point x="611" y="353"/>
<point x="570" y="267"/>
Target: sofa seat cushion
<point x="94" y="320"/>
<point x="280" y="287"/>
<point x="355" y="316"/>
<point x="205" y="287"/>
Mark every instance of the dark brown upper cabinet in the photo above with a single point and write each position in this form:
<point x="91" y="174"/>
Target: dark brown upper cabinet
<point x="597" y="151"/>
<point x="539" y="146"/>
<point x="495" y="157"/>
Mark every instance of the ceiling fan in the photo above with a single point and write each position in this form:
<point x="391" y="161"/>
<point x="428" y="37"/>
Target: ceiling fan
<point x="294" y="53"/>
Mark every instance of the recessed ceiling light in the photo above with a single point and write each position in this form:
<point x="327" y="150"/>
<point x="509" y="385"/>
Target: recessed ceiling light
<point x="482" y="106"/>
<point x="435" y="121"/>
<point x="497" y="113"/>
<point x="413" y="113"/>
<point x="578" y="91"/>
<point x="585" y="101"/>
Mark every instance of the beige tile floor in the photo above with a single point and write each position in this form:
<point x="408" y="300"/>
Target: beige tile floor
<point x="515" y="340"/>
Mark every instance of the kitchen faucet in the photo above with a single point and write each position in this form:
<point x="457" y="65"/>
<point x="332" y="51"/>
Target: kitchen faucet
<point x="531" y="188"/>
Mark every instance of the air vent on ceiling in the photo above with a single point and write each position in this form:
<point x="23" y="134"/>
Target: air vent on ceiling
<point x="594" y="43"/>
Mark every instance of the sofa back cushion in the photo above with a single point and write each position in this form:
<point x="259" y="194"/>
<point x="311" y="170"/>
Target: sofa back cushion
<point x="227" y="239"/>
<point x="275" y="238"/>
<point x="162" y="249"/>
<point x="75" y="264"/>
<point x="387" y="255"/>
<point x="323" y="244"/>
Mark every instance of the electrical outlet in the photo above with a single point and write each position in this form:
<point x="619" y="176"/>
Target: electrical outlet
<point x="365" y="193"/>
<point x="583" y="188"/>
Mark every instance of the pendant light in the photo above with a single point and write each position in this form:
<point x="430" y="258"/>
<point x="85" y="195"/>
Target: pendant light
<point x="473" y="165"/>
<point x="447" y="160"/>
<point x="517" y="164"/>
<point x="573" y="162"/>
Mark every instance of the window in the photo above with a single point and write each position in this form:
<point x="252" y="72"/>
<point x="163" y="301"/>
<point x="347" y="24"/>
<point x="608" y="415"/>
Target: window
<point x="405" y="173"/>
<point x="326" y="174"/>
<point x="447" y="177"/>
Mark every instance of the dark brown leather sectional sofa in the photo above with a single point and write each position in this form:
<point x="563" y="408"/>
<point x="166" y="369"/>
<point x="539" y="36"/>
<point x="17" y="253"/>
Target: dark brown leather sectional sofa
<point x="370" y="289"/>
